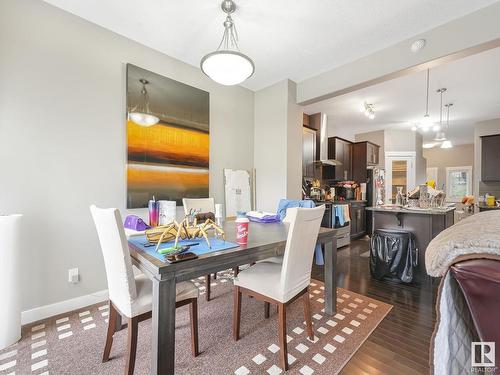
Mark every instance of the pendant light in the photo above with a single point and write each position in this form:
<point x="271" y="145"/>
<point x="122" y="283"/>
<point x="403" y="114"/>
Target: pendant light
<point x="227" y="65"/>
<point x="426" y="122"/>
<point x="440" y="136"/>
<point x="447" y="143"/>
<point x="141" y="114"/>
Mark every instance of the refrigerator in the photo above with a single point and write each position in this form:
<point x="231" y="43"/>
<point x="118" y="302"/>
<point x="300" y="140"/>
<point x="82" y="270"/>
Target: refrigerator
<point x="375" y="194"/>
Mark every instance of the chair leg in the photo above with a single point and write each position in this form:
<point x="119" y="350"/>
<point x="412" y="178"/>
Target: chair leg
<point x="193" y="314"/>
<point x="307" y="315"/>
<point x="267" y="305"/>
<point x="282" y="337"/>
<point x="215" y="276"/>
<point x="207" y="287"/>
<point x="111" y="330"/>
<point x="236" y="313"/>
<point x="133" y="325"/>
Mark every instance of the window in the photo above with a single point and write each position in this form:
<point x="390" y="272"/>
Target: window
<point x="458" y="183"/>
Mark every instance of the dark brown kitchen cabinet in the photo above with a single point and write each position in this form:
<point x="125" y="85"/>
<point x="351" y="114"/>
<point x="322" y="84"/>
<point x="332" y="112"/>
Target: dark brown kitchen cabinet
<point x="490" y="158"/>
<point x="341" y="150"/>
<point x="308" y="152"/>
<point x="358" y="219"/>
<point x="305" y="119"/>
<point x="364" y="154"/>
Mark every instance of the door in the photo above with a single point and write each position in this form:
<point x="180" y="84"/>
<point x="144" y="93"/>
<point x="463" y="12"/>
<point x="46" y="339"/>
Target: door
<point x="400" y="173"/>
<point x="308" y="152"/>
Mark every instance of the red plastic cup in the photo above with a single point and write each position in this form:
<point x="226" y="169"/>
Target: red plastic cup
<point x="242" y="230"/>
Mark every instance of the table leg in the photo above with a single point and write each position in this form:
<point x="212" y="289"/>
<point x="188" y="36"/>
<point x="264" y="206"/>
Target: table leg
<point x="163" y="327"/>
<point x="331" y="277"/>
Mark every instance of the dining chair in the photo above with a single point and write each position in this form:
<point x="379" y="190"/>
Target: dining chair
<point x="130" y="295"/>
<point x="281" y="284"/>
<point x="198" y="204"/>
<point x="201" y="205"/>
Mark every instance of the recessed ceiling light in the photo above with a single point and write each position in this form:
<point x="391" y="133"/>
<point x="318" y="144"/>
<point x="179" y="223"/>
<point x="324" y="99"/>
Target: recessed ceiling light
<point x="417" y="45"/>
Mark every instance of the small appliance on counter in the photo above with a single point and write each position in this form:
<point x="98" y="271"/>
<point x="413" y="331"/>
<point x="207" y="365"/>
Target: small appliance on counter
<point x="346" y="190"/>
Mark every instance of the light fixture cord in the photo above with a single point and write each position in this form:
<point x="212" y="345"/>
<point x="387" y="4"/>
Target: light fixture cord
<point x="230" y="36"/>
<point x="427" y="98"/>
<point x="441" y="110"/>
<point x="448" y="118"/>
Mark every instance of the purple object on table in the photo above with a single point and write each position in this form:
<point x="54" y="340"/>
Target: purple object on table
<point x="136" y="223"/>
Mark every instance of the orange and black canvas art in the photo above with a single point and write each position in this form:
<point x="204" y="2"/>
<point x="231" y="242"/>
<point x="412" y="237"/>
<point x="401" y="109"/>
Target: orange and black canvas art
<point x="170" y="159"/>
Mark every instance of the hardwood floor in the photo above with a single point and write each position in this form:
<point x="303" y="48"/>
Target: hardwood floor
<point x="400" y="344"/>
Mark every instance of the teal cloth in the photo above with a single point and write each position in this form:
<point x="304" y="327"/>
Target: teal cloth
<point x="339" y="212"/>
<point x="284" y="204"/>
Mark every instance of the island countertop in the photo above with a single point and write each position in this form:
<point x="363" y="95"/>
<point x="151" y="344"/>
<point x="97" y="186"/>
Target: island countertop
<point x="405" y="210"/>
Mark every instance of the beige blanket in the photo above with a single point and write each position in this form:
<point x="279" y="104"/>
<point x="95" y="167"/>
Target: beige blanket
<point x="477" y="234"/>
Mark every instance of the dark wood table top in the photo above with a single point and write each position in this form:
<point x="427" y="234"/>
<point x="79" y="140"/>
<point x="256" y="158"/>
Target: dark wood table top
<point x="264" y="241"/>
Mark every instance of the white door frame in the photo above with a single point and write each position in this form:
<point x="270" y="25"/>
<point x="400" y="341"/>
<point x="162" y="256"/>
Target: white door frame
<point x="390" y="156"/>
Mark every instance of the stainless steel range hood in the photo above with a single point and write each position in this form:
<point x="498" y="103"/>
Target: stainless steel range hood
<point x="323" y="146"/>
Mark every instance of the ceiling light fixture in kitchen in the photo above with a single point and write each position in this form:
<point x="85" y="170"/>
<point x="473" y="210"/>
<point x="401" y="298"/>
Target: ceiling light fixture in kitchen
<point x="426" y="122"/>
<point x="227" y="65"/>
<point x="447" y="143"/>
<point x="369" y="110"/>
<point x="440" y="136"/>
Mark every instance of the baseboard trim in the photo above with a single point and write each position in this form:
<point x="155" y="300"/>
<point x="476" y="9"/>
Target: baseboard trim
<point x="44" y="312"/>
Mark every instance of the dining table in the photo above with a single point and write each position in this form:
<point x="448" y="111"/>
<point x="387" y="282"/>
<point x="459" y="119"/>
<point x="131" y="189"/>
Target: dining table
<point x="265" y="240"/>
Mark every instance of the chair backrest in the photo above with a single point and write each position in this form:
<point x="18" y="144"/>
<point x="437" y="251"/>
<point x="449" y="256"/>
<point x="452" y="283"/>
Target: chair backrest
<point x="198" y="204"/>
<point x="114" y="246"/>
<point x="299" y="250"/>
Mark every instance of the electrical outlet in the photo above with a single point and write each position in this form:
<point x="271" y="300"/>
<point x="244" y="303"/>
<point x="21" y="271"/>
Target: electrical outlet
<point x="73" y="276"/>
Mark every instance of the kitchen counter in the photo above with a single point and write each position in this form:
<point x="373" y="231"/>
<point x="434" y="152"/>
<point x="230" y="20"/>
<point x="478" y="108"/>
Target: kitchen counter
<point x="421" y="211"/>
<point x="425" y="224"/>
<point x="340" y="202"/>
<point x="484" y="207"/>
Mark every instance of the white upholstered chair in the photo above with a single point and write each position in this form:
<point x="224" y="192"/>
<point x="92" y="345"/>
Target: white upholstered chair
<point x="202" y="205"/>
<point x="131" y="295"/>
<point x="198" y="204"/>
<point x="281" y="284"/>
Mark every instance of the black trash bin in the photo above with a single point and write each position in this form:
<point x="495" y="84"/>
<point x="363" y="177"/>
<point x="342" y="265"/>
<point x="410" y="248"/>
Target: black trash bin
<point x="393" y="255"/>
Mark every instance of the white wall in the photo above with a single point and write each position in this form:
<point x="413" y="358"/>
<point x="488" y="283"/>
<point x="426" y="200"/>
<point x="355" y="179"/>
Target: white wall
<point x="469" y="31"/>
<point x="441" y="158"/>
<point x="62" y="137"/>
<point x="482" y="128"/>
<point x="278" y="145"/>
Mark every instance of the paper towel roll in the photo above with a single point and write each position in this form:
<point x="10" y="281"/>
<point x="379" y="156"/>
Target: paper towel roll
<point x="10" y="292"/>
<point x="167" y="211"/>
<point x="218" y="211"/>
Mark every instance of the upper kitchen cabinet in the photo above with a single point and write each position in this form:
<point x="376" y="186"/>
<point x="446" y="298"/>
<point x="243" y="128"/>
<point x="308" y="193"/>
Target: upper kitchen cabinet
<point x="314" y="122"/>
<point x="364" y="154"/>
<point x="341" y="150"/>
<point x="490" y="158"/>
<point x="305" y="119"/>
<point x="308" y="152"/>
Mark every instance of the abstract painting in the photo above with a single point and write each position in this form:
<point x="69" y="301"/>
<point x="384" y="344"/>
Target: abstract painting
<point x="170" y="159"/>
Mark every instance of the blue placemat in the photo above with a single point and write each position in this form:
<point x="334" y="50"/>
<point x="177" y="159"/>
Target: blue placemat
<point x="200" y="249"/>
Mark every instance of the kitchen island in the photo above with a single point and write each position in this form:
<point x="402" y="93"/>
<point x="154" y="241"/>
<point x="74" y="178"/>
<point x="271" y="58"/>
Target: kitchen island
<point x="425" y="224"/>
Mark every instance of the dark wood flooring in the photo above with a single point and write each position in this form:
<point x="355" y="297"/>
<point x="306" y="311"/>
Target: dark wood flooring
<point x="400" y="344"/>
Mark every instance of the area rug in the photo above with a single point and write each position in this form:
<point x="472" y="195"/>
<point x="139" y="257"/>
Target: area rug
<point x="72" y="343"/>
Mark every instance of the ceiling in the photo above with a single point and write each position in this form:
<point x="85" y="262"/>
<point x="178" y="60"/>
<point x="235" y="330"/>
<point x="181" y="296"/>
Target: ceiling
<point x="473" y="86"/>
<point x="286" y="39"/>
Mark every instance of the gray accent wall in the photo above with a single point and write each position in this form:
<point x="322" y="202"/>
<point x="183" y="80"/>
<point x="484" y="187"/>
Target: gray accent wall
<point x="482" y="128"/>
<point x="62" y="137"/>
